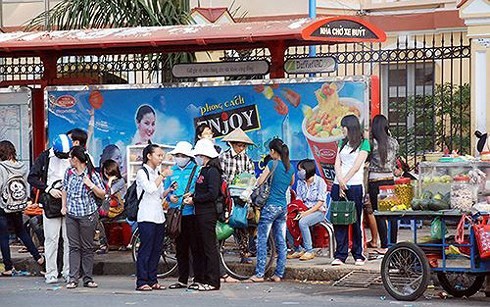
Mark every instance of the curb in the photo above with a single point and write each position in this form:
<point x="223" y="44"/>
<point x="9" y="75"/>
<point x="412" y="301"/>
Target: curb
<point x="315" y="272"/>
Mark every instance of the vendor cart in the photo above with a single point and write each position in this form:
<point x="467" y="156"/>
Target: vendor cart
<point x="407" y="266"/>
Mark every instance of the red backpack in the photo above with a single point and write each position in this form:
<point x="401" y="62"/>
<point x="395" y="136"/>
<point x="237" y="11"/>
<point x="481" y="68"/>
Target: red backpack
<point x="224" y="203"/>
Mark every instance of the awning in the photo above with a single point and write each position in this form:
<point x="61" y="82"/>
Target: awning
<point x="190" y="37"/>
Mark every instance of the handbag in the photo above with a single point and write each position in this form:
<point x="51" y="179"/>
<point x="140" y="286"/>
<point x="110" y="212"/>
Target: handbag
<point x="261" y="193"/>
<point x="174" y="215"/>
<point x="482" y="236"/>
<point x="51" y="205"/>
<point x="238" y="217"/>
<point x="223" y="231"/>
<point x="343" y="212"/>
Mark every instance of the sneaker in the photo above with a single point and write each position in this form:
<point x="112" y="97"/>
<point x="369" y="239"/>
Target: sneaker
<point x="307" y="256"/>
<point x="337" y="262"/>
<point x="51" y="280"/>
<point x="295" y="255"/>
<point x="360" y="262"/>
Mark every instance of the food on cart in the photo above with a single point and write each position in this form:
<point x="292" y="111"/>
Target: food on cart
<point x="431" y="201"/>
<point x="280" y="106"/>
<point x="291" y="96"/>
<point x="387" y="198"/>
<point x="404" y="191"/>
<point x="437" y="179"/>
<point x="463" y="193"/>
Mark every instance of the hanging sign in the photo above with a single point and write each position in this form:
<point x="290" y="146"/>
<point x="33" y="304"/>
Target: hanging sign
<point x="221" y="69"/>
<point x="344" y="29"/>
<point x="311" y="65"/>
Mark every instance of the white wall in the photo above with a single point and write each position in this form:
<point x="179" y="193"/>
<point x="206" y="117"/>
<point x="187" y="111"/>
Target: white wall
<point x="259" y="8"/>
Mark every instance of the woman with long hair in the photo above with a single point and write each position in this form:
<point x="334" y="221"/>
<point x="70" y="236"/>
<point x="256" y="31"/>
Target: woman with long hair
<point x="10" y="166"/>
<point x="206" y="192"/>
<point x="82" y="185"/>
<point x="381" y="168"/>
<point x="151" y="218"/>
<point x="273" y="214"/>
<point x="145" y="123"/>
<point x="348" y="184"/>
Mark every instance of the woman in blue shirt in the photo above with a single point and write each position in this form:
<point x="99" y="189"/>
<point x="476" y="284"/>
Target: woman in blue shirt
<point x="312" y="190"/>
<point x="273" y="214"/>
<point x="186" y="241"/>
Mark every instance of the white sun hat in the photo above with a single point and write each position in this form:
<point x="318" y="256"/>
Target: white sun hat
<point x="205" y="147"/>
<point x="184" y="148"/>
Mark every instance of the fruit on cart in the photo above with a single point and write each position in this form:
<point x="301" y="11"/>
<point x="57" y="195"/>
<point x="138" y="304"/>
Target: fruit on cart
<point x="436" y="205"/>
<point x="438" y="196"/>
<point x="399" y="208"/>
<point x="427" y="195"/>
<point x="416" y="204"/>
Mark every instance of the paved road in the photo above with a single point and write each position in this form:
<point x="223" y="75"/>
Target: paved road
<point x="118" y="291"/>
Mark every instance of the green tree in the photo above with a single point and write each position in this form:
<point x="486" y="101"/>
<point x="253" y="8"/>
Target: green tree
<point x="87" y="14"/>
<point x="440" y="120"/>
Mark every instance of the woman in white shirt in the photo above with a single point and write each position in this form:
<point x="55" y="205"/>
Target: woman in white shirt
<point x="150" y="219"/>
<point x="348" y="185"/>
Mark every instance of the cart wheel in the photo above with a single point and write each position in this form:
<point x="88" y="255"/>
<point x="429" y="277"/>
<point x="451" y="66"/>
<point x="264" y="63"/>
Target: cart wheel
<point x="460" y="284"/>
<point x="405" y="271"/>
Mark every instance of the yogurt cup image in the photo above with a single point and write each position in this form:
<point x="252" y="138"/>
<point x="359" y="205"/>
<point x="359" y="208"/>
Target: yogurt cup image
<point x="323" y="138"/>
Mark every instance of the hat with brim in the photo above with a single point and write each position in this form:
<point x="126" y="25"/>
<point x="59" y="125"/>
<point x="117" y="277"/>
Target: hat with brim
<point x="184" y="148"/>
<point x="238" y="136"/>
<point x="205" y="147"/>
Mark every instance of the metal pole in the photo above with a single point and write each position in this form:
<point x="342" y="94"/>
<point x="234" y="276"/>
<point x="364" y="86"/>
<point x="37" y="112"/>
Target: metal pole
<point x="312" y="14"/>
<point x="47" y="25"/>
<point x="1" y="13"/>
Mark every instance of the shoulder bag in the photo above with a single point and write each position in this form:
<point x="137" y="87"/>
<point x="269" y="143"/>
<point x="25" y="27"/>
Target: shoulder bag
<point x="261" y="193"/>
<point x="343" y="212"/>
<point x="174" y="215"/>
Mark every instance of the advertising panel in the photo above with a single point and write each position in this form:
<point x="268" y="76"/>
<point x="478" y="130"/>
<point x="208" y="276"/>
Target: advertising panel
<point x="304" y="113"/>
<point x="15" y="123"/>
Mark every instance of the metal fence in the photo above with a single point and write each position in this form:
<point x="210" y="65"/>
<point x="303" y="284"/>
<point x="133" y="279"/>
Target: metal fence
<point x="424" y="81"/>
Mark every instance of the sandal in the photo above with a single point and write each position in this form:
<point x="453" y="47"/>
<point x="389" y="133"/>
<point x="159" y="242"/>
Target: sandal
<point x="369" y="244"/>
<point x="91" y="284"/>
<point x="228" y="279"/>
<point x="158" y="287"/>
<point x="8" y="273"/>
<point x="23" y="250"/>
<point x="144" y="288"/>
<point x="206" y="287"/>
<point x="71" y="285"/>
<point x="274" y="278"/>
<point x="254" y="279"/>
<point x="194" y="286"/>
<point x="178" y="285"/>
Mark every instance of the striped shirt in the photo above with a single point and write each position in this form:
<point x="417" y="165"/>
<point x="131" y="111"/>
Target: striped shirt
<point x="234" y="164"/>
<point x="79" y="198"/>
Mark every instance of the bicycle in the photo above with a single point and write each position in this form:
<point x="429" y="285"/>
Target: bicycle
<point x="168" y="264"/>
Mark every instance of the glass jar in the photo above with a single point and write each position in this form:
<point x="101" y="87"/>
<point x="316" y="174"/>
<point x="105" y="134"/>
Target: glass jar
<point x="463" y="193"/>
<point x="387" y="198"/>
<point x="404" y="191"/>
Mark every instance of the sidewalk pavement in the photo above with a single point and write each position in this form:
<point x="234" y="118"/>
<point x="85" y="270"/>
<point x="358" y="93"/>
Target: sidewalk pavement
<point x="318" y="269"/>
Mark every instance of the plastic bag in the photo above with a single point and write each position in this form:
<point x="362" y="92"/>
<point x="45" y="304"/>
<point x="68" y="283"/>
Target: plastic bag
<point x="223" y="231"/>
<point x="436" y="229"/>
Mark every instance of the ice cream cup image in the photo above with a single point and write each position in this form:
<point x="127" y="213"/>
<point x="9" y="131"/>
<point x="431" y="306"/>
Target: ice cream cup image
<point x="322" y="131"/>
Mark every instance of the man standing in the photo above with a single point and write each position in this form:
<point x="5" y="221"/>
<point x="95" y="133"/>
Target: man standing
<point x="234" y="162"/>
<point x="46" y="175"/>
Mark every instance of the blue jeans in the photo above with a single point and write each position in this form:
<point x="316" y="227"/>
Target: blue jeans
<point x="305" y="224"/>
<point x="271" y="217"/>
<point x="355" y="194"/>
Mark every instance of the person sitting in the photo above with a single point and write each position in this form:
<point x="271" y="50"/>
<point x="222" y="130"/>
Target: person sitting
<point x="312" y="191"/>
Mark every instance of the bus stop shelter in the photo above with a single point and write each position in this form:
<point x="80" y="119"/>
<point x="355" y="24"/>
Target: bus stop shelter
<point x="277" y="36"/>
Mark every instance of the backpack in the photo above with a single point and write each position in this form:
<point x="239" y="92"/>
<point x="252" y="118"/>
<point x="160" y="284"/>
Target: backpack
<point x="14" y="193"/>
<point x="132" y="201"/>
<point x="224" y="202"/>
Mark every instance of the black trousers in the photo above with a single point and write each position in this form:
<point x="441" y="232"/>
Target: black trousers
<point x="209" y="261"/>
<point x="380" y="221"/>
<point x="187" y="244"/>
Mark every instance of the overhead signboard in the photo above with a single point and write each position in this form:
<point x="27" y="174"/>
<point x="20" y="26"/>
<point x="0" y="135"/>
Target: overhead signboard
<point x="344" y="29"/>
<point x="311" y="65"/>
<point x="221" y="69"/>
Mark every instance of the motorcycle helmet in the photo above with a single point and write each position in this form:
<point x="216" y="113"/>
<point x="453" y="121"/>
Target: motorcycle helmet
<point x="62" y="145"/>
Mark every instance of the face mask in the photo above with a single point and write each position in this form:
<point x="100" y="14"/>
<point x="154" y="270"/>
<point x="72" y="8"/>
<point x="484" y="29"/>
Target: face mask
<point x="199" y="160"/>
<point x="302" y="174"/>
<point x="181" y="162"/>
